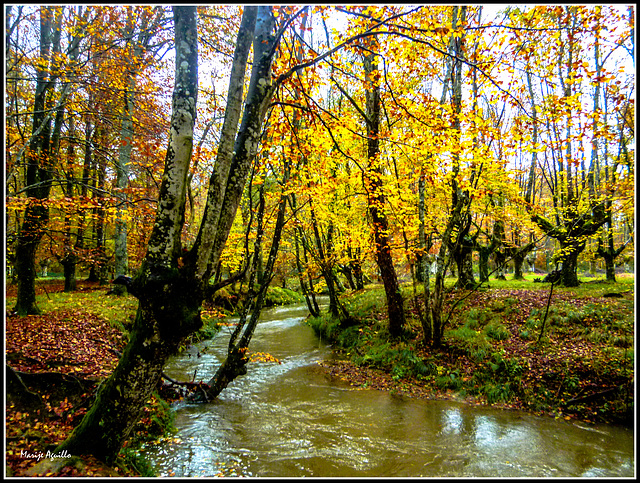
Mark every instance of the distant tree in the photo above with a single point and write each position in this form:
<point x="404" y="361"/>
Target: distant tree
<point x="42" y="150"/>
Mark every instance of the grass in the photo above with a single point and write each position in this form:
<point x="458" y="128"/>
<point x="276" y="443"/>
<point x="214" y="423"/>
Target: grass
<point x="491" y="352"/>
<point x="118" y="311"/>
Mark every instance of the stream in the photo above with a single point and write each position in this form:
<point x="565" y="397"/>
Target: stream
<point x="292" y="419"/>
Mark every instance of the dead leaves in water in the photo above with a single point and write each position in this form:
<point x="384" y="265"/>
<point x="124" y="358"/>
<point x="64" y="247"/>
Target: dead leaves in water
<point x="263" y="357"/>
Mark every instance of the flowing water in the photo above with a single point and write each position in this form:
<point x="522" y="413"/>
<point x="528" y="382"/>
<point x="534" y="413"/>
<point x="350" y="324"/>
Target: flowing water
<point x="292" y="419"/>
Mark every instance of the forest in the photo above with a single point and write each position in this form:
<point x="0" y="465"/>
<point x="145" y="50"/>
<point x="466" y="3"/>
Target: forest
<point x="447" y="191"/>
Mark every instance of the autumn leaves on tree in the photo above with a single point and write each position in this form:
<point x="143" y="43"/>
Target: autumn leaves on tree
<point x="398" y="142"/>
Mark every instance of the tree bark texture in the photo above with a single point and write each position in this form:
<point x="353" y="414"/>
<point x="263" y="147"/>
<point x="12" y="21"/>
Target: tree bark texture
<point x="169" y="295"/>
<point x="203" y="246"/>
<point x="372" y="180"/>
<point x="168" y="307"/>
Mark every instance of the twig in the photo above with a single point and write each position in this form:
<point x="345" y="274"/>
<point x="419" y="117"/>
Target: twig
<point x="546" y="312"/>
<point x="595" y="395"/>
<point x="44" y="287"/>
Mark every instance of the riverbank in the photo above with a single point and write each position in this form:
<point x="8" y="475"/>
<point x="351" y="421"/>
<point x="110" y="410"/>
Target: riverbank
<point x="59" y="358"/>
<point x="490" y="357"/>
<point x="581" y="369"/>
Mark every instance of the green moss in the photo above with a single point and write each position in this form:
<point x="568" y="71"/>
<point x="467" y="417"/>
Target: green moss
<point x="282" y="296"/>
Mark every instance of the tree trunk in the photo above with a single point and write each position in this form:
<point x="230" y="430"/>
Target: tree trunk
<point x="122" y="182"/>
<point x="464" y="262"/>
<point x="518" y="260"/>
<point x="483" y="262"/>
<point x="39" y="169"/>
<point x="422" y="259"/>
<point x="69" y="258"/>
<point x="570" y="251"/>
<point x="169" y="305"/>
<point x="170" y="296"/>
<point x="309" y="296"/>
<point x="573" y="240"/>
<point x="235" y="363"/>
<point x="141" y="42"/>
<point x="98" y="271"/>
<point x="356" y="267"/>
<point x="203" y="247"/>
<point x="436" y="303"/>
<point x="460" y="248"/>
<point x="519" y="255"/>
<point x="25" y="267"/>
<point x="376" y="201"/>
<point x="122" y="396"/>
<point x="610" y="267"/>
<point x="609" y="255"/>
<point x="69" y="265"/>
<point x="44" y="146"/>
<point x="325" y="267"/>
<point x="307" y="290"/>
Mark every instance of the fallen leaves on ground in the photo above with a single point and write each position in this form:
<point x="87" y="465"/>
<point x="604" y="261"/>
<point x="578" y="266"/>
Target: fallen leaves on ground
<point x="69" y="342"/>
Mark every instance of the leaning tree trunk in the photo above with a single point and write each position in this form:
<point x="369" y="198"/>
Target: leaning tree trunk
<point x="168" y="307"/>
<point x="235" y="363"/>
<point x="170" y="296"/>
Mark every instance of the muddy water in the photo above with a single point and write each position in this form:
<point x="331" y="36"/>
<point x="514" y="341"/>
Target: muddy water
<point x="291" y="419"/>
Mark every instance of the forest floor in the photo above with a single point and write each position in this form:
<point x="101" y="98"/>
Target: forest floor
<point x="582" y="367"/>
<point x="62" y="355"/>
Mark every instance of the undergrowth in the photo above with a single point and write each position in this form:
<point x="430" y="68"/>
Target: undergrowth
<point x="582" y="365"/>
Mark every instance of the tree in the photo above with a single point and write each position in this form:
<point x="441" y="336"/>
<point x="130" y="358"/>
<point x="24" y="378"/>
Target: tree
<point x="235" y="363"/>
<point x="137" y="43"/>
<point x="121" y="397"/>
<point x="371" y="179"/>
<point x="606" y="246"/>
<point x="40" y="156"/>
<point x="170" y="285"/>
<point x="577" y="212"/>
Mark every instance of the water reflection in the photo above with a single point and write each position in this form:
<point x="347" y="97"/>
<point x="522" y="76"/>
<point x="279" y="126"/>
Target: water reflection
<point x="291" y="419"/>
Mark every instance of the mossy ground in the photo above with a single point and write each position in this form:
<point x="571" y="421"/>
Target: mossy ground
<point x="582" y="367"/>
